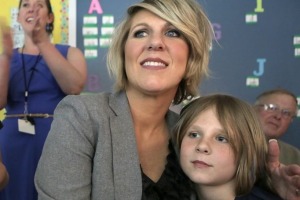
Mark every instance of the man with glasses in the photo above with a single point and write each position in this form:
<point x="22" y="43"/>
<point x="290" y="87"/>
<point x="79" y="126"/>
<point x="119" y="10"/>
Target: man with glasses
<point x="276" y="109"/>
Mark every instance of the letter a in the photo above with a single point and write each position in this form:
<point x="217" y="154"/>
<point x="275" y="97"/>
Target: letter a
<point x="95" y="6"/>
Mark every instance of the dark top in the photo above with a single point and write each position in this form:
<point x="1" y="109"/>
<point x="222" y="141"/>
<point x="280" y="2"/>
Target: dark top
<point x="258" y="193"/>
<point x="173" y="184"/>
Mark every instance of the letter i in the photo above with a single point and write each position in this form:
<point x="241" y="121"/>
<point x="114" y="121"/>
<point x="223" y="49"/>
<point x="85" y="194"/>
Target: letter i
<point x="259" y="7"/>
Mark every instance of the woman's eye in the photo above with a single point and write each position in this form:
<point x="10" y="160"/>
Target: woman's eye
<point x="25" y="4"/>
<point x="173" y="33"/>
<point x="140" y="34"/>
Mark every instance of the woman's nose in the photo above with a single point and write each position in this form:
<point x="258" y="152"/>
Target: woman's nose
<point x="32" y="8"/>
<point x="156" y="43"/>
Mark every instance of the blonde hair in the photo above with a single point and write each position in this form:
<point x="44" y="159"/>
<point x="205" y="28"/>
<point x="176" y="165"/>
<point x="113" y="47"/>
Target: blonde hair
<point x="239" y="120"/>
<point x="189" y="18"/>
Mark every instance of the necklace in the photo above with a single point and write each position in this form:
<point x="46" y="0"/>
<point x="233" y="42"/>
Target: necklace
<point x="27" y="84"/>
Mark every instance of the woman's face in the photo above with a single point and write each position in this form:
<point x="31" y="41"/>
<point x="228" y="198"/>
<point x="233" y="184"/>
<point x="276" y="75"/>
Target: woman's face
<point x="156" y="55"/>
<point x="206" y="155"/>
<point x="34" y="14"/>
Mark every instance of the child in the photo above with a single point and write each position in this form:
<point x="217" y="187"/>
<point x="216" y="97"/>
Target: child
<point x="222" y="149"/>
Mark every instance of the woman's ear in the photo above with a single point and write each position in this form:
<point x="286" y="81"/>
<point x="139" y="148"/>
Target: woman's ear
<point x="50" y="18"/>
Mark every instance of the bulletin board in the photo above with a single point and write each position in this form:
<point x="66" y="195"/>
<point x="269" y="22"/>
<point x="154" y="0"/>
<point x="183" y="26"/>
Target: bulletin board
<point x="95" y="21"/>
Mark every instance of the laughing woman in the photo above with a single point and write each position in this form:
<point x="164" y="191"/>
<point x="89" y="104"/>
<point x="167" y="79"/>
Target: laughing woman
<point x="33" y="79"/>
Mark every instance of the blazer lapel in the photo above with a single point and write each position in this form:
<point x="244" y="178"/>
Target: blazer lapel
<point x="126" y="165"/>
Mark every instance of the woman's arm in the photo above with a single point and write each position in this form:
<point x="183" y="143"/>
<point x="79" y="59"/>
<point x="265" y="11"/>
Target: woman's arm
<point x="65" y="167"/>
<point x="70" y="73"/>
<point x="5" y="56"/>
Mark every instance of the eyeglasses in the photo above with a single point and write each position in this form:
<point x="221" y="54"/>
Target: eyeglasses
<point x="273" y="108"/>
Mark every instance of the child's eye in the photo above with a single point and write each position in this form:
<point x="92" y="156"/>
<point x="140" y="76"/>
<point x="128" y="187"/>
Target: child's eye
<point x="222" y="139"/>
<point x="194" y="135"/>
<point x="140" y="34"/>
<point x="173" y="33"/>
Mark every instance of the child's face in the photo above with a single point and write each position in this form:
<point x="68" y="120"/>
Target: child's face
<point x="206" y="156"/>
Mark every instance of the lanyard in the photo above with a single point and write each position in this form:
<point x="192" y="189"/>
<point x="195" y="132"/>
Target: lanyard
<point x="27" y="84"/>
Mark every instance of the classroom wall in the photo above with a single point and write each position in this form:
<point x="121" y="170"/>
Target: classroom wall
<point x="256" y="55"/>
<point x="257" y="46"/>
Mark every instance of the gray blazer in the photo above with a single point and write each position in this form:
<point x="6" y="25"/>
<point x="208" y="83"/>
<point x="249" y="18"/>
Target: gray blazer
<point x="91" y="151"/>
